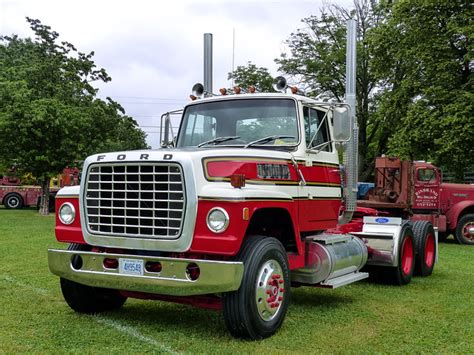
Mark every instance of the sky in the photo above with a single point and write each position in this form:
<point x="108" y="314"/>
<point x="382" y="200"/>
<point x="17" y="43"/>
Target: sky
<point x="153" y="50"/>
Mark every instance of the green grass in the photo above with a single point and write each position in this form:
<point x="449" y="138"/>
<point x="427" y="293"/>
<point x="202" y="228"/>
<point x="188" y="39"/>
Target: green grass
<point x="434" y="314"/>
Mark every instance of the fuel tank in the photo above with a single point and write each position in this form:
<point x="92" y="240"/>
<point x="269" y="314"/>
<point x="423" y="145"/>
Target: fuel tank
<point x="329" y="256"/>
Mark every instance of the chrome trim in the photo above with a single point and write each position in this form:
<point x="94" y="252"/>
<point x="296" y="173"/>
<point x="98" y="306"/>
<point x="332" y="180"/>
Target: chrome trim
<point x="154" y="192"/>
<point x="215" y="276"/>
<point x="180" y="244"/>
<point x="227" y="219"/>
<point x="73" y="213"/>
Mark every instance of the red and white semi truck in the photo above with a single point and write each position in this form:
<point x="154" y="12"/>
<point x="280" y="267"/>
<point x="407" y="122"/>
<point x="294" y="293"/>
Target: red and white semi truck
<point x="249" y="200"/>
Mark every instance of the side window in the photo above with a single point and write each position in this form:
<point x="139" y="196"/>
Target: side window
<point x="426" y="175"/>
<point x="316" y="129"/>
<point x="199" y="129"/>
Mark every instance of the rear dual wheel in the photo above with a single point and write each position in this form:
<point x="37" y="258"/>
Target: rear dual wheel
<point x="425" y="248"/>
<point x="403" y="272"/>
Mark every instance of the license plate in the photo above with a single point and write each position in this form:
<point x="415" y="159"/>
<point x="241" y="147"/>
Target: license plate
<point x="131" y="266"/>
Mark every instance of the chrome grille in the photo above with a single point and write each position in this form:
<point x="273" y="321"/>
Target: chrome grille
<point x="135" y="200"/>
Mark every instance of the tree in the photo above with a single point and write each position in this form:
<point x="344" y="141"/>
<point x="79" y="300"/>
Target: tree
<point x="317" y="61"/>
<point x="424" y="51"/>
<point x="49" y="114"/>
<point x="245" y="76"/>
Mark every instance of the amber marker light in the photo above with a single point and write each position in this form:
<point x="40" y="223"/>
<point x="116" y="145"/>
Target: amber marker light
<point x="237" y="89"/>
<point x="245" y="214"/>
<point x="237" y="180"/>
<point x="223" y="91"/>
<point x="294" y="90"/>
<point x="192" y="97"/>
<point x="252" y="89"/>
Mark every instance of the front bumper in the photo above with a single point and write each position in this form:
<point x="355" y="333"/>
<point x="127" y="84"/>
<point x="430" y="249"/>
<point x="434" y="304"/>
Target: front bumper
<point x="215" y="276"/>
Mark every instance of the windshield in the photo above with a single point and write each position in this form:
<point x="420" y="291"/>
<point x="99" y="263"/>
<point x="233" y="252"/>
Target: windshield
<point x="240" y="122"/>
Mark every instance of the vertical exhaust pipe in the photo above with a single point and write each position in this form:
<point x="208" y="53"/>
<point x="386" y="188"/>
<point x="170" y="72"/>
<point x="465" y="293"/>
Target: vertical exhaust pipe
<point x="207" y="64"/>
<point x="351" y="151"/>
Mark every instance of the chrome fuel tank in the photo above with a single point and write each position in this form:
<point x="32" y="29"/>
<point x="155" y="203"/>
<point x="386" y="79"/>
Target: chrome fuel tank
<point x="329" y="256"/>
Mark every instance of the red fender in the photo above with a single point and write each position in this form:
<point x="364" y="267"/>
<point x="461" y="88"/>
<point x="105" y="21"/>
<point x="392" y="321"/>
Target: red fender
<point x="455" y="211"/>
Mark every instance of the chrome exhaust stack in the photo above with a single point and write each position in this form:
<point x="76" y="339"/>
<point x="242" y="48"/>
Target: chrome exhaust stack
<point x="350" y="155"/>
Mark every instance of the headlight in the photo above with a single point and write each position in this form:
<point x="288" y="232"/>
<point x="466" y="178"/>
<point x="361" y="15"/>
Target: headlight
<point x="217" y="220"/>
<point x="67" y="213"/>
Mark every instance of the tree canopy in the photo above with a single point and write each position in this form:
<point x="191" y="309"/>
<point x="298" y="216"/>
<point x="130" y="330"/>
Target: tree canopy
<point x="424" y="52"/>
<point x="251" y="75"/>
<point x="50" y="116"/>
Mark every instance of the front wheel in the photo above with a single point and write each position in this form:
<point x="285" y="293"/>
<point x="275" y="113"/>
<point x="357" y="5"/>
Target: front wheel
<point x="87" y="299"/>
<point x="465" y="230"/>
<point x="257" y="309"/>
<point x="13" y="201"/>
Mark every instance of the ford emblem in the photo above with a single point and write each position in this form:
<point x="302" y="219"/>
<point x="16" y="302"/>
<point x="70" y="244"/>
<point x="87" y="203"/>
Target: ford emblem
<point x="382" y="220"/>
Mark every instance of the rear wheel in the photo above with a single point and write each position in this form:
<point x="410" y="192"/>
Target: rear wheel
<point x="13" y="201"/>
<point x="465" y="230"/>
<point x="87" y="299"/>
<point x="425" y="248"/>
<point x="403" y="272"/>
<point x="257" y="309"/>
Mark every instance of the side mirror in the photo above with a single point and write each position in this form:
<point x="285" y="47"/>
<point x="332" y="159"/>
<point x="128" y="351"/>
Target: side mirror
<point x="166" y="132"/>
<point x="342" y="124"/>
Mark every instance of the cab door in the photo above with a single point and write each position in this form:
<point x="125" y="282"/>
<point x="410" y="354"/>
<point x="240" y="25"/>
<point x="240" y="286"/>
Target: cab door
<point x="427" y="188"/>
<point x="320" y="196"/>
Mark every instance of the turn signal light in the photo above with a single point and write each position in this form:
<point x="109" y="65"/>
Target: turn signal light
<point x="237" y="180"/>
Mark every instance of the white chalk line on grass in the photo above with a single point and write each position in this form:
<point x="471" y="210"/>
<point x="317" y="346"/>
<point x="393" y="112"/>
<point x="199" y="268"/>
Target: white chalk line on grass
<point x="133" y="332"/>
<point x="98" y="318"/>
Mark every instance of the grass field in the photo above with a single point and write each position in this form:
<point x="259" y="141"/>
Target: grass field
<point x="431" y="315"/>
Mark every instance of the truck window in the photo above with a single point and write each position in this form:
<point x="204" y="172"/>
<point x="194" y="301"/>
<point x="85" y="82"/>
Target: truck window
<point x="249" y="119"/>
<point x="426" y="175"/>
<point x="199" y="129"/>
<point x="316" y="129"/>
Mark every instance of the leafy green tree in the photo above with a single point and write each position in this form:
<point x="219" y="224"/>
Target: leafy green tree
<point x="245" y="76"/>
<point x="317" y="61"/>
<point x="49" y="114"/>
<point x="424" y="51"/>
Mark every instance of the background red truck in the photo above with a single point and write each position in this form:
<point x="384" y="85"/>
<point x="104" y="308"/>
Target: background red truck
<point x="13" y="195"/>
<point x="414" y="190"/>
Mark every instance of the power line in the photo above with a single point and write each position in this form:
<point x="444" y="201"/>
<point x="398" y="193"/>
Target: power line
<point x="147" y="98"/>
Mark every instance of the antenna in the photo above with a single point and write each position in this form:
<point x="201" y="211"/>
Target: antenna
<point x="233" y="54"/>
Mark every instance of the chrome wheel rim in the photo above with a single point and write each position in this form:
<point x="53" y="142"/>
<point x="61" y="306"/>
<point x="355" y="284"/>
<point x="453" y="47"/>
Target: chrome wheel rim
<point x="270" y="286"/>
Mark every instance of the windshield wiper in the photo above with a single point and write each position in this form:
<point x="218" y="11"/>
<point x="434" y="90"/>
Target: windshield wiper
<point x="267" y="139"/>
<point x="217" y="140"/>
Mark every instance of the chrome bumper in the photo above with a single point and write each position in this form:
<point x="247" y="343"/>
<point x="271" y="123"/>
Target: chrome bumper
<point x="215" y="276"/>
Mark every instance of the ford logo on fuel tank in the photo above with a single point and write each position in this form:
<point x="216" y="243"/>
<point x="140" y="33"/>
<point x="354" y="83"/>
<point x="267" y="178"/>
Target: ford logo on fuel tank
<point x="382" y="220"/>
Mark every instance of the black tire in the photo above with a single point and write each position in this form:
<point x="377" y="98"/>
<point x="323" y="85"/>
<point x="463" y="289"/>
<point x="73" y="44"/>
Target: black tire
<point x="402" y="273"/>
<point x="257" y="309"/>
<point x="462" y="235"/>
<point x="425" y="248"/>
<point x="13" y="201"/>
<point x="87" y="299"/>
